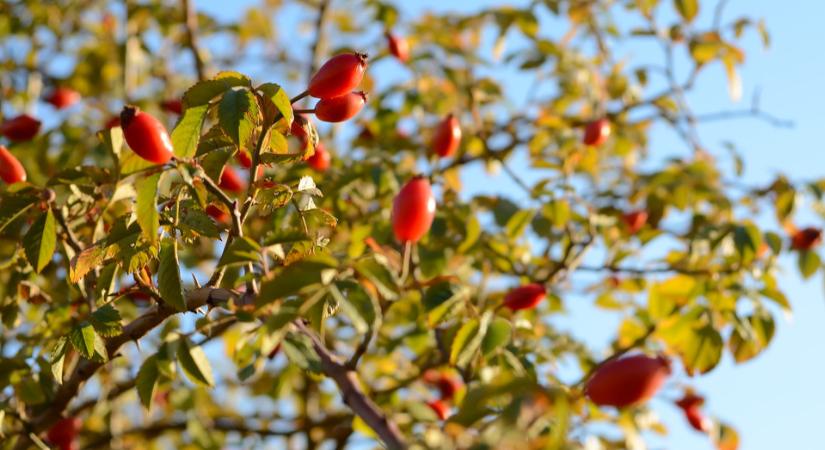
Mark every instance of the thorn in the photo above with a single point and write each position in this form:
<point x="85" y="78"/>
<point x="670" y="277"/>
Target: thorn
<point x="195" y="279"/>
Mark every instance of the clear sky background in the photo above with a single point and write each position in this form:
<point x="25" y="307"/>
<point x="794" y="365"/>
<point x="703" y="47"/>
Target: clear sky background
<point x="776" y="401"/>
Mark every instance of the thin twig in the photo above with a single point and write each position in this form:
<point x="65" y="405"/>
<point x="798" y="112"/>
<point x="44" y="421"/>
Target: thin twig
<point x="191" y="24"/>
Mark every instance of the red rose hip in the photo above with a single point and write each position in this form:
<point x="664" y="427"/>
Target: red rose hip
<point x="440" y="408"/>
<point x="413" y="210"/>
<point x="597" y="132"/>
<point x="145" y="135"/>
<point x="690" y="405"/>
<point x="627" y="381"/>
<point x="447" y="137"/>
<point x="21" y="128"/>
<point x="11" y="171"/>
<point x="634" y="221"/>
<point x="338" y="76"/>
<point x="63" y="97"/>
<point x="525" y="297"/>
<point x="806" y="238"/>
<point x="174" y="106"/>
<point x="244" y="159"/>
<point x="320" y="160"/>
<point x="64" y="432"/>
<point x="231" y="181"/>
<point x="339" y="109"/>
<point x="399" y="47"/>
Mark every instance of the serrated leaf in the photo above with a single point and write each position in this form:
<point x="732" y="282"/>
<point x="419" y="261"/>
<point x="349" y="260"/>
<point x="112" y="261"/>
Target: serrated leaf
<point x="279" y="99"/>
<point x="199" y="222"/>
<point x="688" y="9"/>
<point x="85" y="261"/>
<point x="204" y="91"/>
<point x="241" y="251"/>
<point x="468" y="340"/>
<point x="13" y="206"/>
<point x="291" y="279"/>
<point x="57" y="357"/>
<point x="194" y="363"/>
<point x="169" y="282"/>
<point x="106" y="321"/>
<point x="187" y="133"/>
<point x="380" y="275"/>
<point x="357" y="304"/>
<point x="147" y="209"/>
<point x="146" y="380"/>
<point x="41" y="241"/>
<point x="444" y="300"/>
<point x="238" y="115"/>
<point x="298" y="348"/>
<point x="82" y="338"/>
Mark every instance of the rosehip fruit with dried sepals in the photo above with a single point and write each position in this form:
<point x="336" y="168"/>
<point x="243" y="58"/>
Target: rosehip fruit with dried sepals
<point x="63" y="97"/>
<point x="634" y="221"/>
<point x="399" y="47"/>
<point x="11" y="171"/>
<point x="231" y="181"/>
<point x="597" y="132"/>
<point x="627" y="381"/>
<point x="525" y="297"/>
<point x="244" y="159"/>
<point x="806" y="238"/>
<point x="338" y="76"/>
<point x="339" y="109"/>
<point x="690" y="405"/>
<point x="447" y="137"/>
<point x="216" y="212"/>
<point x="413" y="210"/>
<point x="21" y="128"/>
<point x="174" y="106"/>
<point x="146" y="135"/>
<point x="64" y="432"/>
<point x="320" y="160"/>
<point x="442" y="411"/>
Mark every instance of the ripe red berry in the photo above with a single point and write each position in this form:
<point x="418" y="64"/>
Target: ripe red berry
<point x="447" y="137"/>
<point x="634" y="220"/>
<point x="145" y="135"/>
<point x="174" y="106"/>
<point x="806" y="238"/>
<point x="690" y="405"/>
<point x="216" y="212"/>
<point x="11" y="171"/>
<point x="64" y="432"/>
<point x="627" y="381"/>
<point x="244" y="159"/>
<point x="338" y="76"/>
<point x="399" y="47"/>
<point x="320" y="160"/>
<point x="447" y="385"/>
<point x="597" y="132"/>
<point x="231" y="181"/>
<point x="440" y="408"/>
<point x="413" y="210"/>
<point x="63" y="97"/>
<point x="21" y="128"/>
<point x="525" y="297"/>
<point x="339" y="109"/>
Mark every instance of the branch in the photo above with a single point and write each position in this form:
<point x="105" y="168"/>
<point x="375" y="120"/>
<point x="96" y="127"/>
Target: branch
<point x="323" y="5"/>
<point x="353" y="395"/>
<point x="131" y="332"/>
<point x="191" y="24"/>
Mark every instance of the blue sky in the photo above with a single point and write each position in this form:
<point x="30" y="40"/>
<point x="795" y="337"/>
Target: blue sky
<point x="778" y="399"/>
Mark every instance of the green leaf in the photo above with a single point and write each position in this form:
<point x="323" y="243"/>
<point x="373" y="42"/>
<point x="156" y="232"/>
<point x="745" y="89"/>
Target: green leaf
<point x="238" y="115"/>
<point x="747" y="240"/>
<point x="13" y="206"/>
<point x="778" y="297"/>
<point x="147" y="208"/>
<point x="57" y="357"/>
<point x="357" y="304"/>
<point x="291" y="279"/>
<point x="808" y="263"/>
<point x="41" y="241"/>
<point x="518" y="223"/>
<point x="82" y="338"/>
<point x="197" y="221"/>
<point x="279" y="99"/>
<point x="688" y="9"/>
<point x="751" y="337"/>
<point x="85" y="261"/>
<point x="169" y="282"/>
<point x="380" y="275"/>
<point x="702" y="350"/>
<point x="298" y="348"/>
<point x="204" y="91"/>
<point x="194" y="363"/>
<point x="146" y="380"/>
<point x="498" y="335"/>
<point x="187" y="133"/>
<point x="106" y="321"/>
<point x="443" y="301"/>
<point x="468" y="340"/>
<point x="241" y="250"/>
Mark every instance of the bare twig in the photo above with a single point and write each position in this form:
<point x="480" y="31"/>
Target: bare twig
<point x="191" y="24"/>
